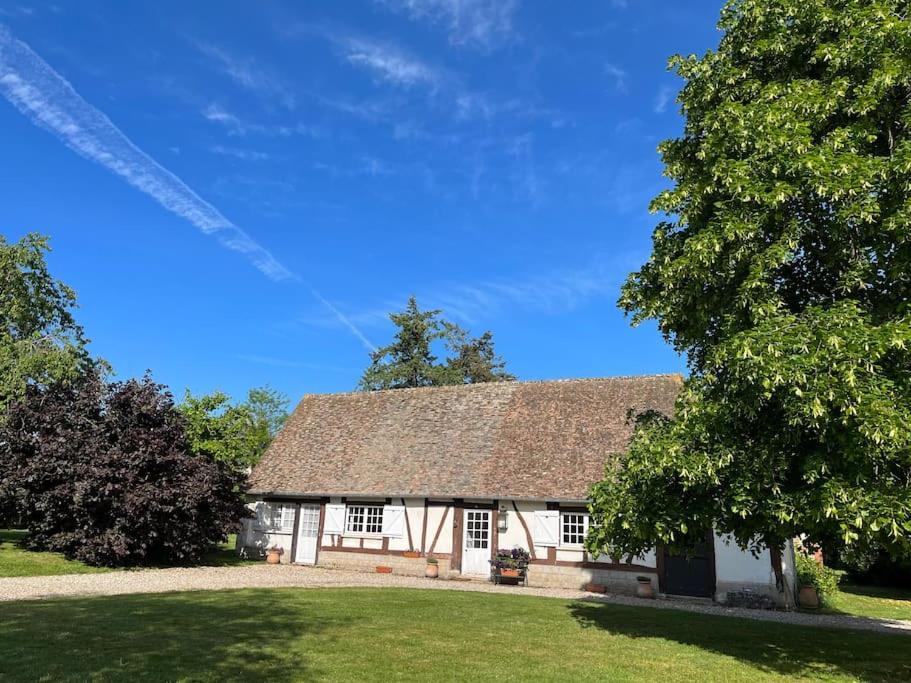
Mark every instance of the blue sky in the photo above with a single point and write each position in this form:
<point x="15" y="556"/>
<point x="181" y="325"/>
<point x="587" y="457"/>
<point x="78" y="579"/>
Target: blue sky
<point x="239" y="192"/>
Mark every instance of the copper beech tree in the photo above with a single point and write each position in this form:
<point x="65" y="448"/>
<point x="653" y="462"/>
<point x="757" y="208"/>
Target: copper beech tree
<point x="104" y="474"/>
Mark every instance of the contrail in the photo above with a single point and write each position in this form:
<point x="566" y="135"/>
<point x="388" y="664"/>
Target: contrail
<point x="49" y="101"/>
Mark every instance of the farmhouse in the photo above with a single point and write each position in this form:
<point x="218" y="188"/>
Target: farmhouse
<point x="390" y="478"/>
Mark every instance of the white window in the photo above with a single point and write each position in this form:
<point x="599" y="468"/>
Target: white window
<point x="573" y="529"/>
<point x="276" y="517"/>
<point x="364" y="519"/>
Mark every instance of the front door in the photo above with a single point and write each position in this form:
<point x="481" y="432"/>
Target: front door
<point x="476" y="546"/>
<point x="307" y="533"/>
<point x="691" y="573"/>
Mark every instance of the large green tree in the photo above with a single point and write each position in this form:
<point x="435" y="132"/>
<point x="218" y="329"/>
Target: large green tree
<point x="40" y="341"/>
<point x="410" y="360"/>
<point x="782" y="269"/>
<point x="234" y="433"/>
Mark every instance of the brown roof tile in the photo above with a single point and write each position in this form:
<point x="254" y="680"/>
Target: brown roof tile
<point x="526" y="440"/>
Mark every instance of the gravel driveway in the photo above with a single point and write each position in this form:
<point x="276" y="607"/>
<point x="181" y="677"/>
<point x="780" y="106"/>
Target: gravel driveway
<point x="287" y="576"/>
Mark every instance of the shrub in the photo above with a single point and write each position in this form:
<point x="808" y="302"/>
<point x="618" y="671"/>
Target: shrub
<point x="105" y="475"/>
<point x="822" y="578"/>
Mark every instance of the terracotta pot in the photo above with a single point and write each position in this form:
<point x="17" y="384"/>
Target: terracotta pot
<point x="644" y="589"/>
<point x="383" y="570"/>
<point x="273" y="556"/>
<point x="510" y="573"/>
<point x="808" y="597"/>
<point x="432" y="571"/>
<point x="411" y="553"/>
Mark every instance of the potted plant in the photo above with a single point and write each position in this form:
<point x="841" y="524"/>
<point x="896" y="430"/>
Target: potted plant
<point x="510" y="564"/>
<point x="433" y="568"/>
<point x="274" y="554"/>
<point x="818" y="584"/>
<point x="644" y="588"/>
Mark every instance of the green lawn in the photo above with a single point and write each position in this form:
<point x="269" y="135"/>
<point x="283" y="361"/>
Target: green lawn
<point x="16" y="561"/>
<point x="873" y="601"/>
<point x="399" y="634"/>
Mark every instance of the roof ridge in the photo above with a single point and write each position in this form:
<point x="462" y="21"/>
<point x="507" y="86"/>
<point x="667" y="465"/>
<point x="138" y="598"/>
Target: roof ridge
<point x="464" y="387"/>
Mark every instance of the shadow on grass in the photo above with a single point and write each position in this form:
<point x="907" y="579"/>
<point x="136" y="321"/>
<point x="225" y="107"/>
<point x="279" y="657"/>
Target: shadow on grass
<point x="783" y="649"/>
<point x="196" y="636"/>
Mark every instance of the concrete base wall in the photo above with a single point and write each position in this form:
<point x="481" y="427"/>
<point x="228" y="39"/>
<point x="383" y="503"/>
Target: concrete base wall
<point x="556" y="576"/>
<point x="368" y="562"/>
<point x="722" y="588"/>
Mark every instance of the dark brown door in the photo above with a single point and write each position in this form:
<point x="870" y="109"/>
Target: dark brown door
<point x="691" y="573"/>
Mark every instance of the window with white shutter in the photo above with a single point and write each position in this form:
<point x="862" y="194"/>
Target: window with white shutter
<point x="547" y="528"/>
<point x="573" y="529"/>
<point x="275" y="517"/>
<point x="364" y="519"/>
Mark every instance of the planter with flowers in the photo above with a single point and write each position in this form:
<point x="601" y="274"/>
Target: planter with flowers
<point x="274" y="554"/>
<point x="510" y="566"/>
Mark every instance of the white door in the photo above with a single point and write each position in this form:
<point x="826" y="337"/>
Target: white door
<point x="307" y="533"/>
<point x="476" y="547"/>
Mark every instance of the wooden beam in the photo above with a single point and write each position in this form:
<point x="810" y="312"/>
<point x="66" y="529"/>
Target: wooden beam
<point x="424" y="528"/>
<point x="458" y="516"/>
<point x="407" y="525"/>
<point x="439" y="530"/>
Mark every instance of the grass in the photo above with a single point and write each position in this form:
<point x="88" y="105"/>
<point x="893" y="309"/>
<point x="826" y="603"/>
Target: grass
<point x="17" y="561"/>
<point x="872" y="601"/>
<point x="405" y="634"/>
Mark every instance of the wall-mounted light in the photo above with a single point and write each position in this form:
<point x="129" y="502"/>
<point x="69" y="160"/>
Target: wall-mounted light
<point x="503" y="519"/>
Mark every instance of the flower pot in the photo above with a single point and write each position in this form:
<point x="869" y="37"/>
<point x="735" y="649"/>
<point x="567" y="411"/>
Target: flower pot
<point x="509" y="573"/>
<point x="273" y="556"/>
<point x="644" y="588"/>
<point x="411" y="553"/>
<point x="383" y="570"/>
<point x="595" y="588"/>
<point x="808" y="597"/>
<point x="432" y="571"/>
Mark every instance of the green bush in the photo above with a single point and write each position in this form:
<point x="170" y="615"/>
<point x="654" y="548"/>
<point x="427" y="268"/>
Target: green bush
<point x="813" y="573"/>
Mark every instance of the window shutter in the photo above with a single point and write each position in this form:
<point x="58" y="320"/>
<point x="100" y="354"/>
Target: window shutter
<point x="262" y="516"/>
<point x="393" y="521"/>
<point x="547" y="527"/>
<point x="335" y="519"/>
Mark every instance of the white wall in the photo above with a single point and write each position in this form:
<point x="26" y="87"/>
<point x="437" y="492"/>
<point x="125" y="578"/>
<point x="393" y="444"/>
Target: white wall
<point x="733" y="565"/>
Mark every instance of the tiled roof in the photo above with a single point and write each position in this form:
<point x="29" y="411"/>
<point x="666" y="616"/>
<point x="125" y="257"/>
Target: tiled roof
<point x="525" y="440"/>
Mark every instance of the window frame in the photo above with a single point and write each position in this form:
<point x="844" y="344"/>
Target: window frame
<point x="272" y="524"/>
<point x="370" y="516"/>
<point x="564" y="544"/>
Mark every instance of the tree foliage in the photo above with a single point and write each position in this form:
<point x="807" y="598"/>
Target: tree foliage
<point x="409" y="361"/>
<point x="238" y="434"/>
<point x="40" y="340"/>
<point x="783" y="271"/>
<point x="105" y="475"/>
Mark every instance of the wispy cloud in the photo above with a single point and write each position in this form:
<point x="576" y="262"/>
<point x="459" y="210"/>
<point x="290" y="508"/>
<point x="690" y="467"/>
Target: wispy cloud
<point x="248" y="75"/>
<point x="481" y="24"/>
<point x="273" y="362"/>
<point x="49" y="101"/>
<point x="238" y="153"/>
<point x="617" y="74"/>
<point x="663" y="98"/>
<point x="481" y="302"/>
<point x="240" y="127"/>
<point x="391" y="64"/>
